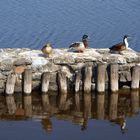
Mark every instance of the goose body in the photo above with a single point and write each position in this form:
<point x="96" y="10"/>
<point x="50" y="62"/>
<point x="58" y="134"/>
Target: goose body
<point x="80" y="46"/>
<point x="47" y="49"/>
<point x="120" y="46"/>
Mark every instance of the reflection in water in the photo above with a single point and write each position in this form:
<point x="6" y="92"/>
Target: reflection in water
<point x="87" y="110"/>
<point x="62" y="101"/>
<point x="11" y="106"/>
<point x="135" y="101"/>
<point x="113" y="106"/>
<point x="28" y="105"/>
<point x="47" y="124"/>
<point x="45" y="102"/>
<point x="77" y="102"/>
<point x="77" y="108"/>
<point x="100" y="106"/>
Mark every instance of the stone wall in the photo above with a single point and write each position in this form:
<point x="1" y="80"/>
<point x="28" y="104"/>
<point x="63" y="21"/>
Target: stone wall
<point x="17" y="60"/>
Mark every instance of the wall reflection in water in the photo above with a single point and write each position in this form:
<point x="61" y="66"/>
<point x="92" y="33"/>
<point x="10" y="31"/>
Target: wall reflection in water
<point x="77" y="108"/>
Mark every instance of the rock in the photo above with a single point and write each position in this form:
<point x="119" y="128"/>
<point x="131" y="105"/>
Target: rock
<point x="6" y="73"/>
<point x="64" y="60"/>
<point x="36" y="76"/>
<point x="103" y="51"/>
<point x="126" y="67"/>
<point x="132" y="59"/>
<point x="51" y="67"/>
<point x="114" y="58"/>
<point x="22" y="61"/>
<point x="2" y="77"/>
<point x="79" y="60"/>
<point x="78" y="66"/>
<point x="6" y="65"/>
<point x="122" y="77"/>
<point x="125" y="76"/>
<point x="2" y="84"/>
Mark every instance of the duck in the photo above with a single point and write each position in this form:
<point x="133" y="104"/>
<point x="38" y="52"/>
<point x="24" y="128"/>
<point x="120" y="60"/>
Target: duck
<point x="80" y="46"/>
<point x="120" y="46"/>
<point x="47" y="49"/>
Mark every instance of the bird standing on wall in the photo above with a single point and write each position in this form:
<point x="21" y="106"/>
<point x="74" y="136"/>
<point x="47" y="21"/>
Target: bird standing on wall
<point x="47" y="49"/>
<point x="120" y="46"/>
<point x="80" y="46"/>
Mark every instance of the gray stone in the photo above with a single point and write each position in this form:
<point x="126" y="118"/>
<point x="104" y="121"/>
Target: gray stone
<point x="126" y="67"/>
<point x="115" y="58"/>
<point x="2" y="84"/>
<point x="77" y="66"/>
<point x="133" y="59"/>
<point x="2" y="77"/>
<point x="128" y="76"/>
<point x="36" y="76"/>
<point x="64" y="60"/>
<point x="6" y="65"/>
<point x="125" y="76"/>
<point x="122" y="77"/>
<point x="79" y="60"/>
<point x="6" y="73"/>
<point x="51" y="67"/>
<point x="22" y="61"/>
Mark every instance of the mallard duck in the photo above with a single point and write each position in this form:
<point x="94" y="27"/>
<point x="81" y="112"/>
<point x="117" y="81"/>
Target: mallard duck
<point x="121" y="46"/>
<point x="80" y="46"/>
<point x="47" y="49"/>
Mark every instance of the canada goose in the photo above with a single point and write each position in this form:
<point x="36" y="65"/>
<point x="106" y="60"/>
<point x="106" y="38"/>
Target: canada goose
<point x="120" y="46"/>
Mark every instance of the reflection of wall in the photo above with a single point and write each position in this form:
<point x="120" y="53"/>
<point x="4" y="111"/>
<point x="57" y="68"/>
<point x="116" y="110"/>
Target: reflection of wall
<point x="114" y="107"/>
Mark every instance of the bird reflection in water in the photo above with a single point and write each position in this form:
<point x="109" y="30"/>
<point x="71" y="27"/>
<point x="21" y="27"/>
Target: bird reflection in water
<point x="76" y="109"/>
<point x="47" y="124"/>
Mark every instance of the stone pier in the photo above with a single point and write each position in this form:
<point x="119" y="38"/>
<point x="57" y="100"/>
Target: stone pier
<point x="15" y="61"/>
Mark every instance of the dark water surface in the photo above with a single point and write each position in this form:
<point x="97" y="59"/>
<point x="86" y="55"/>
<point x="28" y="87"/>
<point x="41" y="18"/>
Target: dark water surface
<point x="32" y="23"/>
<point x="53" y="117"/>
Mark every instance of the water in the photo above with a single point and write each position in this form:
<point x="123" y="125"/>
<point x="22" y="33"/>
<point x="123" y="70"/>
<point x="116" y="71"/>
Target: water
<point x="77" y="117"/>
<point x="32" y="23"/>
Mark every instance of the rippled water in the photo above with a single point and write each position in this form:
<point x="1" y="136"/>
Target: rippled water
<point x="32" y="23"/>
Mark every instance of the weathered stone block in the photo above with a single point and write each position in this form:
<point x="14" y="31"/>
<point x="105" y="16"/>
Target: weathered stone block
<point x="36" y="76"/>
<point x="64" y="60"/>
<point x="6" y="65"/>
<point x="2" y="84"/>
<point x="124" y="76"/>
<point x="22" y="61"/>
<point x="2" y="77"/>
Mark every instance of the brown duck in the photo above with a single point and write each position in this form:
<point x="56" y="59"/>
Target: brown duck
<point x="47" y="49"/>
<point x="120" y="46"/>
